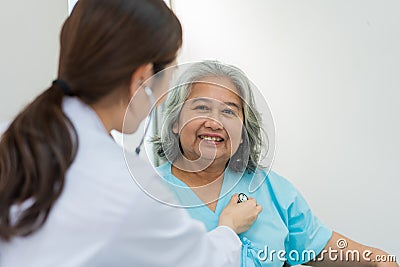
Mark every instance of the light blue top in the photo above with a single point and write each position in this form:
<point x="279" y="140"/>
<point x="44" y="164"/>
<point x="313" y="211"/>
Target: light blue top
<point x="285" y="229"/>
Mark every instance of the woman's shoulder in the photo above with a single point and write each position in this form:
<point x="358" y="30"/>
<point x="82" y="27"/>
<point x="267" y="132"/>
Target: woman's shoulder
<point x="165" y="175"/>
<point x="164" y="171"/>
<point x="269" y="178"/>
<point x="278" y="181"/>
<point x="277" y="186"/>
<point x="164" y="168"/>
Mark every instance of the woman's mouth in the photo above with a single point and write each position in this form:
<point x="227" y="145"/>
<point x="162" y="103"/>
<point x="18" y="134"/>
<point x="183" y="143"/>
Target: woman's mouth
<point x="211" y="138"/>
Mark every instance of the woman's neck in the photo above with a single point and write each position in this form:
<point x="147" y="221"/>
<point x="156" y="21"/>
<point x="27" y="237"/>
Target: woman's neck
<point x="206" y="184"/>
<point x="192" y="172"/>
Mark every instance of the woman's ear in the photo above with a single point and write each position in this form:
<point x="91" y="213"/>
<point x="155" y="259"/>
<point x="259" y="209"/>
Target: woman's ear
<point x="141" y="74"/>
<point x="175" y="128"/>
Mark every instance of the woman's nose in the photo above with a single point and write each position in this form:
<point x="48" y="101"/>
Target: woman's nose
<point x="213" y="124"/>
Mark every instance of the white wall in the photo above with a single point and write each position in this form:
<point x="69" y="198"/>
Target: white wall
<point x="330" y="72"/>
<point x="71" y="4"/>
<point x="28" y="50"/>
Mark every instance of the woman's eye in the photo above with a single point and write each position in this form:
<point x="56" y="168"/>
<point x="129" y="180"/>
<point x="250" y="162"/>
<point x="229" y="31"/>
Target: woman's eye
<point x="201" y="107"/>
<point x="229" y="111"/>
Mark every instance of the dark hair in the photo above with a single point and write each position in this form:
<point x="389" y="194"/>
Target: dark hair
<point x="102" y="43"/>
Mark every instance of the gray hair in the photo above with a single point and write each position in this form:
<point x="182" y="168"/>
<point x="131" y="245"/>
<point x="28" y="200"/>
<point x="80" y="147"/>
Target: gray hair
<point x="167" y="146"/>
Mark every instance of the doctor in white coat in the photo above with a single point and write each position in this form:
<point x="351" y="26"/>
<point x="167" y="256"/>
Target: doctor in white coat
<point x="66" y="195"/>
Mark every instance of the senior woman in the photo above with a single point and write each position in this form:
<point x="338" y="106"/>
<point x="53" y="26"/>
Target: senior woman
<point x="211" y="140"/>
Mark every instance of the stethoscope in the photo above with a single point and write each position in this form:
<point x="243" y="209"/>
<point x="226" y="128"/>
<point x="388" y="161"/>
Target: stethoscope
<point x="242" y="198"/>
<point x="149" y="93"/>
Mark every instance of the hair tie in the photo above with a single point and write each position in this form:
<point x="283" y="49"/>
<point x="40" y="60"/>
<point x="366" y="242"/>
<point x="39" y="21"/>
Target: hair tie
<point x="64" y="86"/>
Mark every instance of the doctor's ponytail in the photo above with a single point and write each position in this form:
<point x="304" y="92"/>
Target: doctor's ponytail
<point x="35" y="153"/>
<point x="102" y="43"/>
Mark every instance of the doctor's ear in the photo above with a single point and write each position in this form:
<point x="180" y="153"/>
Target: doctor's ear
<point x="141" y="74"/>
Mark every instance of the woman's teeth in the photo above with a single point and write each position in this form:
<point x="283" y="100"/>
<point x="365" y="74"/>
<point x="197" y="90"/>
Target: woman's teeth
<point x="211" y="138"/>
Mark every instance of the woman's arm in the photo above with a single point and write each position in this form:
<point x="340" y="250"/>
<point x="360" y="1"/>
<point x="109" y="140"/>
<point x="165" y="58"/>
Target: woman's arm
<point x="342" y="251"/>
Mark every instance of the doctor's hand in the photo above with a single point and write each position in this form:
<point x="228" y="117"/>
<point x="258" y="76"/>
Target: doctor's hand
<point x="239" y="216"/>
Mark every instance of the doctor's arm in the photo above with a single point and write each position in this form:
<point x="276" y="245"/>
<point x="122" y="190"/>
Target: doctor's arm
<point x="156" y="235"/>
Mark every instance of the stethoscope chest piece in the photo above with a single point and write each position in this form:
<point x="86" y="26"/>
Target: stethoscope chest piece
<point x="242" y="197"/>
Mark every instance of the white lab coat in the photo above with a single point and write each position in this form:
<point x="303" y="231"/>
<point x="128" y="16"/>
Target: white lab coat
<point x="104" y="219"/>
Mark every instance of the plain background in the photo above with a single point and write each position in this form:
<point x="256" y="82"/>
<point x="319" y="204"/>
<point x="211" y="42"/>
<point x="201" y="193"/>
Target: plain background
<point x="328" y="69"/>
<point x="28" y="50"/>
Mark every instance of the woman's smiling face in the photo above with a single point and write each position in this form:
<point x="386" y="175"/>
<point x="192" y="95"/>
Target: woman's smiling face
<point x="211" y="120"/>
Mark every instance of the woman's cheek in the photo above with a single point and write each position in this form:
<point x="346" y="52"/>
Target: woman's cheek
<point x="235" y="138"/>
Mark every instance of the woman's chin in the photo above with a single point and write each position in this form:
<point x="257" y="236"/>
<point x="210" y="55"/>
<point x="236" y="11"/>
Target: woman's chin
<point x="213" y="158"/>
